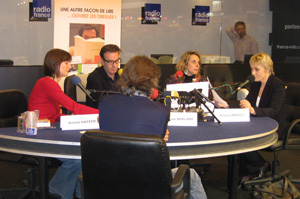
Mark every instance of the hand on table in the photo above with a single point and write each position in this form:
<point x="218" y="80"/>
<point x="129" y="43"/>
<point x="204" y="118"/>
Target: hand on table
<point x="246" y="104"/>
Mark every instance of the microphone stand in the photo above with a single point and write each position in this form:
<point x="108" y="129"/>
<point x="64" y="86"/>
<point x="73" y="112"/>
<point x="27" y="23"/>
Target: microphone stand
<point x="195" y="91"/>
<point x="206" y="98"/>
<point x="99" y="93"/>
<point x="106" y="92"/>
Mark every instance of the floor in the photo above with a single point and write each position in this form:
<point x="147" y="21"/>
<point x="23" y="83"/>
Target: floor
<point x="215" y="180"/>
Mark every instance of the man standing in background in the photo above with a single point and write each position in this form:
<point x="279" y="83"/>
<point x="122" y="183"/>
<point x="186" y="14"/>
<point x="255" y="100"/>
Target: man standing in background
<point x="243" y="44"/>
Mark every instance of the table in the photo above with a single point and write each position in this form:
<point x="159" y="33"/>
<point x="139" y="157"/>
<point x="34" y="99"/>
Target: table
<point x="206" y="140"/>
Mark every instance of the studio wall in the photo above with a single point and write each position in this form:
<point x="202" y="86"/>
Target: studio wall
<point x="285" y="39"/>
<point x="27" y="42"/>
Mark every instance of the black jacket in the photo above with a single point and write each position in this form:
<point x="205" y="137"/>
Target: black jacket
<point x="272" y="102"/>
<point x="99" y="81"/>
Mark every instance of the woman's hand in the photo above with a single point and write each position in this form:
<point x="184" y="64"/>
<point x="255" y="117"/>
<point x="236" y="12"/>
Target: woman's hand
<point x="166" y="138"/>
<point x="246" y="104"/>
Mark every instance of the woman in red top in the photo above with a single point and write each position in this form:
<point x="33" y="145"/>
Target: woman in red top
<point x="47" y="97"/>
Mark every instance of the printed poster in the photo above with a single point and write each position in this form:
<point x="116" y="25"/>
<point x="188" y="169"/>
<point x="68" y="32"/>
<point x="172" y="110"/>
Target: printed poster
<point x="83" y="27"/>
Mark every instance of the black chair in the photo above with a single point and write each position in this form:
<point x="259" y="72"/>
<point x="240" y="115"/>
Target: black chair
<point x="73" y="91"/>
<point x="6" y="62"/>
<point x="13" y="102"/>
<point x="290" y="142"/>
<point x="118" y="165"/>
<point x="286" y="144"/>
<point x="219" y="75"/>
<point x="293" y="104"/>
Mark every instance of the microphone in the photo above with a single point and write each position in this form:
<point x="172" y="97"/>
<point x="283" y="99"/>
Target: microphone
<point x="179" y="76"/>
<point x="154" y="94"/>
<point x="77" y="81"/>
<point x="249" y="79"/>
<point x="184" y="95"/>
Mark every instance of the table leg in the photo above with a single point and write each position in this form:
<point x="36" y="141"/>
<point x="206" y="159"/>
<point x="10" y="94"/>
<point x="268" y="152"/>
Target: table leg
<point x="43" y="177"/>
<point x="233" y="175"/>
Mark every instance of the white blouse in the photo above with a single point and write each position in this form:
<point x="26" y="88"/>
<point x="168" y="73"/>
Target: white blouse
<point x="257" y="101"/>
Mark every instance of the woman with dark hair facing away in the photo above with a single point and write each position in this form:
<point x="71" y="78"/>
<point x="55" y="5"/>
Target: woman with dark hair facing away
<point x="266" y="98"/>
<point x="47" y="97"/>
<point x="134" y="112"/>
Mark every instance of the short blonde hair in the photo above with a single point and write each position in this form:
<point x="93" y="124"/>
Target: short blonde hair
<point x="182" y="64"/>
<point x="263" y="59"/>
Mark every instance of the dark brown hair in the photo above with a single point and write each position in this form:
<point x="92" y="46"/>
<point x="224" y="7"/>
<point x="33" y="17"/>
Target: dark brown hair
<point x="52" y="62"/>
<point x="140" y="74"/>
<point x="88" y="27"/>
<point x="109" y="48"/>
<point x="239" y="23"/>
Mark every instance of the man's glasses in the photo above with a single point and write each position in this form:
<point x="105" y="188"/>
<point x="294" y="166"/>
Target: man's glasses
<point x="111" y="62"/>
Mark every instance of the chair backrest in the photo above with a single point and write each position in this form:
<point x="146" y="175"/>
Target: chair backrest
<point x="165" y="60"/>
<point x="219" y="75"/>
<point x="13" y="102"/>
<point x="73" y="91"/>
<point x="292" y="98"/>
<point x="118" y="165"/>
<point x="154" y="60"/>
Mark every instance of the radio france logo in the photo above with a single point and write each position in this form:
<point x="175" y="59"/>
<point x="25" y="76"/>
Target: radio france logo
<point x="42" y="8"/>
<point x="152" y="12"/>
<point x="202" y="14"/>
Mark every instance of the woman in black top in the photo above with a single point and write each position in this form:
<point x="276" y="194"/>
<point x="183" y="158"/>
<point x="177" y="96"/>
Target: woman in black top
<point x="266" y="98"/>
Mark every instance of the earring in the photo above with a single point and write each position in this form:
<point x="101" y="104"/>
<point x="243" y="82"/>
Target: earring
<point x="185" y="71"/>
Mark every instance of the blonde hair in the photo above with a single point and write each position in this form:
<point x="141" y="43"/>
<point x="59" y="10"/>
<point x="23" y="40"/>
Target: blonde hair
<point x="182" y="64"/>
<point x="263" y="59"/>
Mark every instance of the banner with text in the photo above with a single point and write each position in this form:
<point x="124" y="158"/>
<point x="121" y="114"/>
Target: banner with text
<point x="284" y="39"/>
<point x="200" y="15"/>
<point x="83" y="27"/>
<point x="42" y="8"/>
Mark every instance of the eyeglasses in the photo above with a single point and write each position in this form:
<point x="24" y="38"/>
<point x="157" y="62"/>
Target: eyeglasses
<point x="111" y="62"/>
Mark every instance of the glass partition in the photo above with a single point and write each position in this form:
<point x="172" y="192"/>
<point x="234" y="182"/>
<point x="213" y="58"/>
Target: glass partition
<point x="27" y="42"/>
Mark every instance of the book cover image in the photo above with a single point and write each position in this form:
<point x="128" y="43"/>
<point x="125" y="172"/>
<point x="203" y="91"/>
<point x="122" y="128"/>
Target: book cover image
<point x="86" y="41"/>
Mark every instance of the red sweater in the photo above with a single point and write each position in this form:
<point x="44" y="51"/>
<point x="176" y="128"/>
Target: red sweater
<point x="47" y="96"/>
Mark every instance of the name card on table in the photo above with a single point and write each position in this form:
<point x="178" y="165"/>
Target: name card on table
<point x="232" y="115"/>
<point x="183" y="119"/>
<point x="79" y="122"/>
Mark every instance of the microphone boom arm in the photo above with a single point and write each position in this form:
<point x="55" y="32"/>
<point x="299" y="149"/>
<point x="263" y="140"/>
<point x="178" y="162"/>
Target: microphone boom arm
<point x="206" y="98"/>
<point x="195" y="91"/>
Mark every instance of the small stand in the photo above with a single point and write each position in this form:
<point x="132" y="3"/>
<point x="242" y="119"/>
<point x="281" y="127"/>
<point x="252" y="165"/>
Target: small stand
<point x="199" y="97"/>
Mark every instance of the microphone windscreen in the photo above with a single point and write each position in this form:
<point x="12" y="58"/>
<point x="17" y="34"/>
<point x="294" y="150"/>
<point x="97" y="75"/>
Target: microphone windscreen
<point x="250" y="78"/>
<point x="155" y="94"/>
<point x="183" y="93"/>
<point x="76" y="80"/>
<point x="179" y="73"/>
<point x="120" y="71"/>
